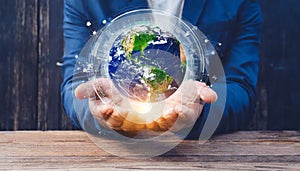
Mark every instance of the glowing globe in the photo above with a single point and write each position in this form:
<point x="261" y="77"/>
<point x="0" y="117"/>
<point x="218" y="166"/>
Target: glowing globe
<point x="147" y="63"/>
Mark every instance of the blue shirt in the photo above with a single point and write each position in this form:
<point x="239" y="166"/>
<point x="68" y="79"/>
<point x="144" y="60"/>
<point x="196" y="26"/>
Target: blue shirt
<point x="235" y="24"/>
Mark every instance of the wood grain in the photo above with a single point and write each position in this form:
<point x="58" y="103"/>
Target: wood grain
<point x="280" y="62"/>
<point x="31" y="42"/>
<point x="18" y="64"/>
<point x="73" y="150"/>
<point x="50" y="43"/>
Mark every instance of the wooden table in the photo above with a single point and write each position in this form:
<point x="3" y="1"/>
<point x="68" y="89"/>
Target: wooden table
<point x="73" y="150"/>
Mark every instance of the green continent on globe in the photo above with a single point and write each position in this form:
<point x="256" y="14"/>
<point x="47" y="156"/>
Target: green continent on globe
<point x="158" y="81"/>
<point x="137" y="41"/>
<point x="141" y="41"/>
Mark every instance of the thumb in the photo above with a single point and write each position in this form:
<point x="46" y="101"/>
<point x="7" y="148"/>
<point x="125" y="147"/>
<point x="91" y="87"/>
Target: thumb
<point x="84" y="90"/>
<point x="206" y="94"/>
<point x="99" y="86"/>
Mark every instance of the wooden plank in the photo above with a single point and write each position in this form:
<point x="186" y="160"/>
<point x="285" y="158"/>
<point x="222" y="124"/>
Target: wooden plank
<point x="57" y="51"/>
<point x="50" y="112"/>
<point x="6" y="44"/>
<point x="74" y="150"/>
<point x="44" y="71"/>
<point x="18" y="64"/>
<point x="280" y="36"/>
<point x="31" y="45"/>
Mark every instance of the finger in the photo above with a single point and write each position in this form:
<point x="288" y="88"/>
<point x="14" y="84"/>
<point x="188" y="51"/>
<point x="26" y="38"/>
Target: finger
<point x="132" y="126"/>
<point x="165" y="121"/>
<point x="153" y="126"/>
<point x="182" y="116"/>
<point x="115" y="121"/>
<point x="161" y="122"/>
<point x="192" y="90"/>
<point x="170" y="91"/>
<point x="100" y="110"/>
<point x="205" y="93"/>
<point x="170" y="119"/>
<point x="188" y="114"/>
<point x="84" y="90"/>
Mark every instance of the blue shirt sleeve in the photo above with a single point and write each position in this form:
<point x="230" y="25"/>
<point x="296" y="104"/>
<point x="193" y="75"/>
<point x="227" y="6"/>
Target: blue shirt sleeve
<point x="241" y="70"/>
<point x="76" y="34"/>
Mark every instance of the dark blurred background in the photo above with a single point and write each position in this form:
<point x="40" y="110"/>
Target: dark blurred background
<point x="31" y="43"/>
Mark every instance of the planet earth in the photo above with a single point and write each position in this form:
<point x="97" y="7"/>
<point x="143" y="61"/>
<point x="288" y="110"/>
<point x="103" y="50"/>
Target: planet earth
<point x="147" y="63"/>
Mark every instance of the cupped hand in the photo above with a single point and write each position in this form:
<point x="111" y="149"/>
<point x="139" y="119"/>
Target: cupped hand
<point x="180" y="110"/>
<point x="184" y="106"/>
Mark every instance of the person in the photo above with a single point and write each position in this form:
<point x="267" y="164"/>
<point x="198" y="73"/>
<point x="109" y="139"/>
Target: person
<point x="233" y="27"/>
